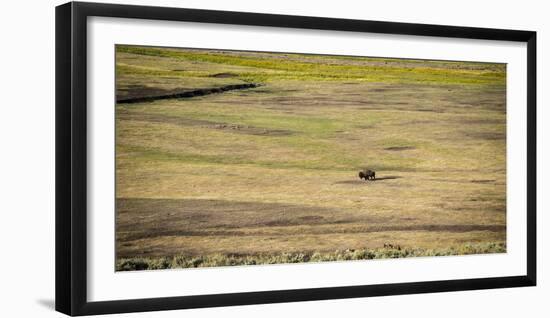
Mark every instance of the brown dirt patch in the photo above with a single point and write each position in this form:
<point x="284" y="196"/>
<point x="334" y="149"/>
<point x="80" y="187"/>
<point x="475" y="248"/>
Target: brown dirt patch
<point x="485" y="135"/>
<point x="402" y="148"/>
<point x="224" y="75"/>
<point x="483" y="181"/>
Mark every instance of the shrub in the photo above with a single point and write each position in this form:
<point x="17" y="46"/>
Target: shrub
<point x="188" y="261"/>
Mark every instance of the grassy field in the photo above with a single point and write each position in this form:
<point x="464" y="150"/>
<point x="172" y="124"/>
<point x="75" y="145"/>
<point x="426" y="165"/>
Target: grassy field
<point x="269" y="174"/>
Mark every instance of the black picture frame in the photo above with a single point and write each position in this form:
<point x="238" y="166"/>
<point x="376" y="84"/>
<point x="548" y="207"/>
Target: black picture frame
<point x="71" y="157"/>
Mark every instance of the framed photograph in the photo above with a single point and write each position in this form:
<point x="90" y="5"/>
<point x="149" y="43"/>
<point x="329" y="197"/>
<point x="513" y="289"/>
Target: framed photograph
<point x="208" y="158"/>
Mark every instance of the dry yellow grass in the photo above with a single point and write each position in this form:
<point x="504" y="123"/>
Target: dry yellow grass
<point x="274" y="169"/>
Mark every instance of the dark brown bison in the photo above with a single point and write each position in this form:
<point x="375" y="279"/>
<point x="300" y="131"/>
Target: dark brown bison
<point x="367" y="175"/>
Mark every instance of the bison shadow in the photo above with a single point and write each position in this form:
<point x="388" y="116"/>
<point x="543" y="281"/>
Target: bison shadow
<point x="386" y="178"/>
<point x="366" y="182"/>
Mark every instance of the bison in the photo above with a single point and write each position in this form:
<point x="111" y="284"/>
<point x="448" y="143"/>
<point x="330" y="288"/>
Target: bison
<point x="367" y="175"/>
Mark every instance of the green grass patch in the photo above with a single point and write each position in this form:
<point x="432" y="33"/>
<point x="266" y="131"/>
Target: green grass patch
<point x="301" y="70"/>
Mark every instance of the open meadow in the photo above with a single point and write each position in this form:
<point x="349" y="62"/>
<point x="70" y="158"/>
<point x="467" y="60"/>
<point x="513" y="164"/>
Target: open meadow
<point x="232" y="158"/>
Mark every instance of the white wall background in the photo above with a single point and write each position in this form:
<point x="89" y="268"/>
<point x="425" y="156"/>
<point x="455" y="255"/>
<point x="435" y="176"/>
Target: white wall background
<point x="27" y="158"/>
